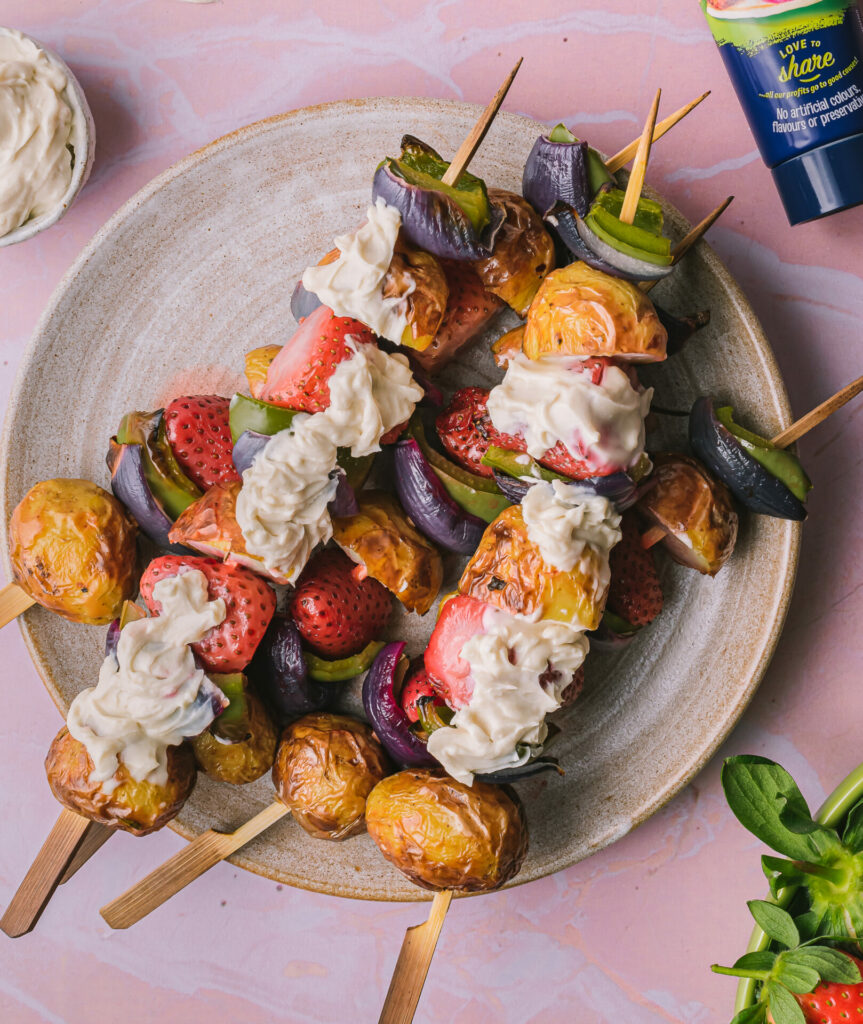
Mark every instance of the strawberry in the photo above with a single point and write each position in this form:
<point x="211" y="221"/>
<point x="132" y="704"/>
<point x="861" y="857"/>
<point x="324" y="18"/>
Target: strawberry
<point x="833" y="1002"/>
<point x="338" y="609"/>
<point x="200" y="437"/>
<point x="635" y="594"/>
<point x="469" y="308"/>
<point x="417" y="684"/>
<point x="461" y="618"/>
<point x="249" y="606"/>
<point x="297" y="377"/>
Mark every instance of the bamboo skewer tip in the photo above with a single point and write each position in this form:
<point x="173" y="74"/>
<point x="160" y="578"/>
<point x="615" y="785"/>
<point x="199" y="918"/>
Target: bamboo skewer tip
<point x="639" y="167"/>
<point x="622" y="158"/>
<point x="817" y="415"/>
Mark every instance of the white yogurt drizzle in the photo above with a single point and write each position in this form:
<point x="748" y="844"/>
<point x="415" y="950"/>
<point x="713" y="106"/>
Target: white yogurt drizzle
<point x="35" y="128"/>
<point x="282" y="506"/>
<point x="352" y="285"/>
<point x="153" y="695"/>
<point x="520" y="667"/>
<point x="554" y="399"/>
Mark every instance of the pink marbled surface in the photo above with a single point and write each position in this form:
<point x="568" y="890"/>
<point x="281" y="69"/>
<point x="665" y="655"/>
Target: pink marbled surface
<point x="628" y="935"/>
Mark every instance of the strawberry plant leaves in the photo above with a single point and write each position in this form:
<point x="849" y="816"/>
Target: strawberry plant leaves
<point x="760" y="960"/>
<point x="784" y="1008"/>
<point x="852" y="837"/>
<point x="751" y="1015"/>
<point x="796" y="977"/>
<point x="831" y="964"/>
<point x="780" y="873"/>
<point x="760" y="792"/>
<point x="776" y="922"/>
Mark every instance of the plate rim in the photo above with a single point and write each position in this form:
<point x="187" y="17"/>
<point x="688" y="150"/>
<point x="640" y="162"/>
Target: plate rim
<point x="792" y="535"/>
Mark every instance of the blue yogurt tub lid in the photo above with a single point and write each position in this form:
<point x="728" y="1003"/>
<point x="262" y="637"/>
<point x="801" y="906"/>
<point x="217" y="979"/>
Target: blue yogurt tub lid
<point x="822" y="181"/>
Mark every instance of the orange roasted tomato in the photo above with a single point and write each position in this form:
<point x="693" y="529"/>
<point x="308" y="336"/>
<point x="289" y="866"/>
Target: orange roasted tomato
<point x="443" y="834"/>
<point x="72" y="547"/>
<point x="382" y="538"/>
<point x="136" y="807"/>
<point x="579" y="311"/>
<point x="326" y="766"/>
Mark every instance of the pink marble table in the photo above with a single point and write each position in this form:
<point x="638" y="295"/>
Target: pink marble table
<point x="626" y="937"/>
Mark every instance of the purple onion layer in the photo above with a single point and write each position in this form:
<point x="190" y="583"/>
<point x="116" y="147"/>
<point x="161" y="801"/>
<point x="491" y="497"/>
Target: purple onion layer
<point x="387" y="718"/>
<point x="556" y="172"/>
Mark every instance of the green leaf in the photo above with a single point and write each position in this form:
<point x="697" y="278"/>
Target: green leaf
<point x="775" y="921"/>
<point x="852" y="837"/>
<point x="796" y="977"/>
<point x="780" y="873"/>
<point x="760" y="960"/>
<point x="751" y="1015"/>
<point x="758" y="792"/>
<point x="831" y="964"/>
<point x="784" y="1008"/>
<point x="808" y="925"/>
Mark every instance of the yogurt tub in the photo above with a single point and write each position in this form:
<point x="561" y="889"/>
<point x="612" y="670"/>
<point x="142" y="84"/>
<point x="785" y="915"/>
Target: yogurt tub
<point x="82" y="141"/>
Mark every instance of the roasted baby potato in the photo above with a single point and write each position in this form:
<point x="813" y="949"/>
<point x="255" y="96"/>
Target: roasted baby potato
<point x="239" y="757"/>
<point x="257" y="363"/>
<point x="136" y="807"/>
<point x="326" y="766"/>
<point x="694" y="509"/>
<point x="579" y="311"/>
<point x="523" y="253"/>
<point x="72" y="547"/>
<point x="382" y="538"/>
<point x="419" y="277"/>
<point x="508" y="571"/>
<point x="443" y="834"/>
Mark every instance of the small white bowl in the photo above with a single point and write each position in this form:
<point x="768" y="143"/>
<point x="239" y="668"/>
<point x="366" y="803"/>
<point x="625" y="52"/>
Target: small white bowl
<point x="82" y="140"/>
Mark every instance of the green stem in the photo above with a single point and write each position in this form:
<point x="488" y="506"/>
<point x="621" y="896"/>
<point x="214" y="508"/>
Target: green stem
<point x="837" y="876"/>
<point x="739" y="972"/>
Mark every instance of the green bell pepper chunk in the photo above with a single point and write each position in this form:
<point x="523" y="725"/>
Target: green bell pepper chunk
<point x="519" y="465"/>
<point x="782" y="464"/>
<point x="648" y="215"/>
<point x="617" y="624"/>
<point x="233" y="723"/>
<point x="324" y="671"/>
<point x="171" y="487"/>
<point x="560" y="133"/>
<point x="622" y="245"/>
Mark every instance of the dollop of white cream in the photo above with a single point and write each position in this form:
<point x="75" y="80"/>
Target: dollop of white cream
<point x="35" y="127"/>
<point x="554" y="399"/>
<point x="152" y="696"/>
<point x="282" y="505"/>
<point x="352" y="285"/>
<point x="565" y="521"/>
<point x="520" y="670"/>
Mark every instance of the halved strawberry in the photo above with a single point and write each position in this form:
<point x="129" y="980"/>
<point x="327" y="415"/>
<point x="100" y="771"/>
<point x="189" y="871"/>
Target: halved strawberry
<point x="200" y="437"/>
<point x="249" y="606"/>
<point x="297" y="377"/>
<point x="338" y="609"/>
<point x="460" y="618"/>
<point x="417" y="684"/>
<point x="635" y="593"/>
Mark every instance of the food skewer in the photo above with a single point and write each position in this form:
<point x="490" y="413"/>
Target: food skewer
<point x="13" y="601"/>
<point x="413" y="963"/>
<point x="622" y="158"/>
<point x="692" y="236"/>
<point x="472" y="143"/>
<point x="639" y="166"/>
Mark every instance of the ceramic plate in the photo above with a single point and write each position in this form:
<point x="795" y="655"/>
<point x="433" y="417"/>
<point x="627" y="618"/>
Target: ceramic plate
<point x="199" y="267"/>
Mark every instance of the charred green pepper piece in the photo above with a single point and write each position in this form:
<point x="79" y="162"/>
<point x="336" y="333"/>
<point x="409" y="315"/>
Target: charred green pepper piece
<point x="518" y="464"/>
<point x="171" y="487"/>
<point x="643" y="239"/>
<point x="782" y="464"/>
<point x="433" y="716"/>
<point x="325" y="671"/>
<point x="597" y="173"/>
<point x="233" y="724"/>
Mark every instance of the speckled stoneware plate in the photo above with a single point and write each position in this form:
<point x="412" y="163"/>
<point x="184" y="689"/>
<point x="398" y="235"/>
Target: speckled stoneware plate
<point x="198" y="268"/>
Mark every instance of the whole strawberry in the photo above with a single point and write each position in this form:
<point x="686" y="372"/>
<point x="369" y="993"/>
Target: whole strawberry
<point x="200" y="437"/>
<point x="249" y="606"/>
<point x="298" y="376"/>
<point x="338" y="609"/>
<point x="634" y="594"/>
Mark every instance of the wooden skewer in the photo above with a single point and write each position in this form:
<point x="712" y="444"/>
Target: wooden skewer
<point x="178" y="871"/>
<point x="45" y="874"/>
<point x="817" y="415"/>
<point x="628" y="152"/>
<point x="471" y="144"/>
<point x="13" y="601"/>
<point x="639" y="165"/>
<point x="691" y="237"/>
<point x="413" y="964"/>
<point x="94" y="838"/>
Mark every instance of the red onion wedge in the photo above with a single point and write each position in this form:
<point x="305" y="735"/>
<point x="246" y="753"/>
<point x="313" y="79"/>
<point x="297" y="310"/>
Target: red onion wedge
<point x="556" y="172"/>
<point x="279" y="669"/>
<point x="383" y="710"/>
<point x="619" y="488"/>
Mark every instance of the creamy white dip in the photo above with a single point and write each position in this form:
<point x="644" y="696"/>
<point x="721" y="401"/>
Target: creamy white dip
<point x="504" y="723"/>
<point x="35" y="128"/>
<point x="352" y="285"/>
<point x="282" y="506"/>
<point x="152" y="696"/>
<point x="565" y="521"/>
<point x="553" y="399"/>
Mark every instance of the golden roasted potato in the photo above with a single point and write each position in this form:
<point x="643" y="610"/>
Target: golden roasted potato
<point x="695" y="510"/>
<point x="242" y="760"/>
<point x="523" y="253"/>
<point x="136" y="807"/>
<point x="419" y="277"/>
<point x="257" y="364"/>
<point x="72" y="547"/>
<point x="507" y="346"/>
<point x="579" y="311"/>
<point x="382" y="538"/>
<point x="443" y="834"/>
<point x="508" y="571"/>
<point x="326" y="766"/>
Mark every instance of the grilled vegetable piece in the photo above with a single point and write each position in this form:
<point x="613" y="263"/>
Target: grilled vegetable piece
<point x="443" y="834"/>
<point x="508" y="571"/>
<point x="507" y="346"/>
<point x="579" y="311"/>
<point x="257" y="365"/>
<point x="381" y="538"/>
<point x="279" y="670"/>
<point x="381" y="703"/>
<point x="240" y="745"/>
<point x="324" y="670"/>
<point x="72" y="548"/>
<point x="695" y="511"/>
<point x="326" y="766"/>
<point x="136" y="807"/>
<point x="420" y="278"/>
